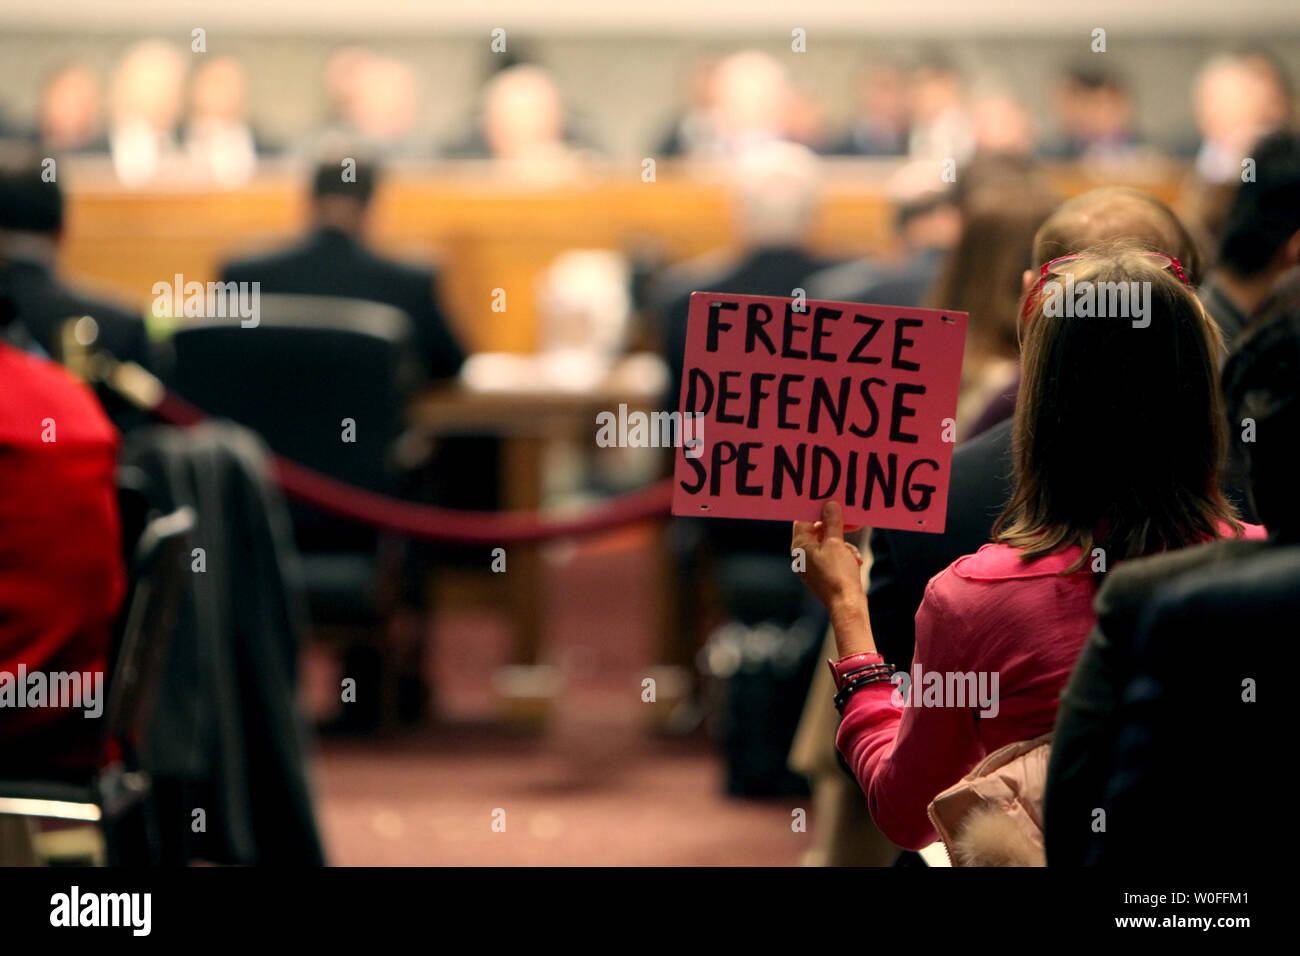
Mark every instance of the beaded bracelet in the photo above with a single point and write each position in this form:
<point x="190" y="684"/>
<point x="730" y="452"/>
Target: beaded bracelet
<point x="879" y="674"/>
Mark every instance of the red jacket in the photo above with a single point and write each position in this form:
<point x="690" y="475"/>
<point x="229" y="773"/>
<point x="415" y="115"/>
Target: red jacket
<point x="61" y="574"/>
<point x="990" y="614"/>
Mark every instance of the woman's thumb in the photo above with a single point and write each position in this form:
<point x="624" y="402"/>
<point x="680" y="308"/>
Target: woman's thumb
<point x="833" y="518"/>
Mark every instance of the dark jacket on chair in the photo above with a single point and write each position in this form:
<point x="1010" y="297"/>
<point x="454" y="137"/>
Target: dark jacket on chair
<point x="329" y="262"/>
<point x="226" y="727"/>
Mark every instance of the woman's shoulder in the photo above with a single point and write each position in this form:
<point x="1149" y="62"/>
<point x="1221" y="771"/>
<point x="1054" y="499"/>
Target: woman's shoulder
<point x="1001" y="562"/>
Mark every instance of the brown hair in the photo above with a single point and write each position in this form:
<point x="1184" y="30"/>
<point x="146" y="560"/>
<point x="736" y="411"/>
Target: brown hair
<point x="1119" y="432"/>
<point x="1113" y="211"/>
<point x="982" y="274"/>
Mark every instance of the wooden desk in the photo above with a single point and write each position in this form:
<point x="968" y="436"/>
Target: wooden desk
<point x="528" y="419"/>
<point x="488" y="233"/>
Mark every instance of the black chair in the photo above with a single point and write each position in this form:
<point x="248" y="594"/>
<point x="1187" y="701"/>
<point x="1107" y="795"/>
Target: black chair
<point x="116" y="797"/>
<point x="312" y="363"/>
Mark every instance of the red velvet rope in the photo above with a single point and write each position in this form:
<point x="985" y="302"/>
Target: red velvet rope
<point x="441" y="524"/>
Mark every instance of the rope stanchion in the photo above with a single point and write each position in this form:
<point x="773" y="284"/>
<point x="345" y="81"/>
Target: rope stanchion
<point x="433" y="523"/>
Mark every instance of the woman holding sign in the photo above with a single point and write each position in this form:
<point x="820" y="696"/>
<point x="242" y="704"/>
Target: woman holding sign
<point x="1119" y="439"/>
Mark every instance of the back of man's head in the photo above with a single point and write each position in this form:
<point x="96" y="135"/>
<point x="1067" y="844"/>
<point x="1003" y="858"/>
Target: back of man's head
<point x="345" y="177"/>
<point x="1261" y="385"/>
<point x="1265" y="213"/>
<point x="30" y="201"/>
<point x="1117" y="213"/>
<point x="776" y="187"/>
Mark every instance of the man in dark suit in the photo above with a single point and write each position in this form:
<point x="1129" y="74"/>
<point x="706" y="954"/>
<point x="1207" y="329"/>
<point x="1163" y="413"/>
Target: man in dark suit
<point x="31" y="226"/>
<point x="333" y="260"/>
<point x="1141" y="709"/>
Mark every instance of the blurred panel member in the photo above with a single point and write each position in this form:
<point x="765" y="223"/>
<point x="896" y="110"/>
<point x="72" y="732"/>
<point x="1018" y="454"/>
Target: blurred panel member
<point x="31" y="227"/>
<point x="147" y="97"/>
<point x="1094" y="113"/>
<point x="521" y="120"/>
<point x="1260" y="237"/>
<point x="751" y="95"/>
<point x="805" y="120"/>
<point x="71" y="113"/>
<point x="342" y="82"/>
<point x="1238" y="100"/>
<point x="218" y="137"/>
<point x="880" y="124"/>
<point x="386" y="108"/>
<point x="941" y="127"/>
<point x="61" y="574"/>
<point x="927" y="220"/>
<point x="334" y="260"/>
<point x="694" y="130"/>
<point x="1001" y="125"/>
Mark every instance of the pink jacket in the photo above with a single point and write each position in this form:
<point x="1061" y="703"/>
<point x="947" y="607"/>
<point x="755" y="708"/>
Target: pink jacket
<point x="995" y="615"/>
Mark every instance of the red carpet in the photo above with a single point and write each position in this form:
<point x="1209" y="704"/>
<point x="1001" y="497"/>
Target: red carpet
<point x="595" y="788"/>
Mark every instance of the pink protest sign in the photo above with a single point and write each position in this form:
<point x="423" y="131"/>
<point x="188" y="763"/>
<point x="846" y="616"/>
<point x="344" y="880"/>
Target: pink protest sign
<point x="786" y="403"/>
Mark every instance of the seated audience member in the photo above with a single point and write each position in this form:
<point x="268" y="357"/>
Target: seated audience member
<point x="218" y="137"/>
<point x="146" y="102"/>
<point x="983" y="276"/>
<point x="1260" y="237"/>
<point x="1091" y="479"/>
<point x="880" y="125"/>
<point x="981" y="478"/>
<point x="48" y="308"/>
<point x="333" y="260"/>
<point x="71" y="113"/>
<point x="1177" y="710"/>
<point x="927" y="220"/>
<point x="775" y="193"/>
<point x="61" y="574"/>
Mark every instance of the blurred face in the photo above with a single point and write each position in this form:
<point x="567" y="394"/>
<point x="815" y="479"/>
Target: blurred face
<point x="883" y="95"/>
<point x="1001" y="125"/>
<point x="70" y="107"/>
<point x="1236" y="103"/>
<point x="386" y="104"/>
<point x="933" y="92"/>
<point x="147" y="87"/>
<point x="523" y="113"/>
<point x="219" y="91"/>
<point x="750" y="94"/>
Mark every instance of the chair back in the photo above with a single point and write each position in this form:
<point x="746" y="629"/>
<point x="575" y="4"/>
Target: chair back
<point x="148" y="626"/>
<point x="323" y="380"/>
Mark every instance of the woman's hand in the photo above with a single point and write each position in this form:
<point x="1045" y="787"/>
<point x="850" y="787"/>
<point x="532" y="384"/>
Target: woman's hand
<point x="831" y="572"/>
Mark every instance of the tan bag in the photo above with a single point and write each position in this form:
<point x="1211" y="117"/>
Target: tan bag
<point x="993" y="816"/>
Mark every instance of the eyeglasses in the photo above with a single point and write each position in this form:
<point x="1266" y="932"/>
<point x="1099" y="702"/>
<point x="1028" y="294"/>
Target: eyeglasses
<point x="1051" y="268"/>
